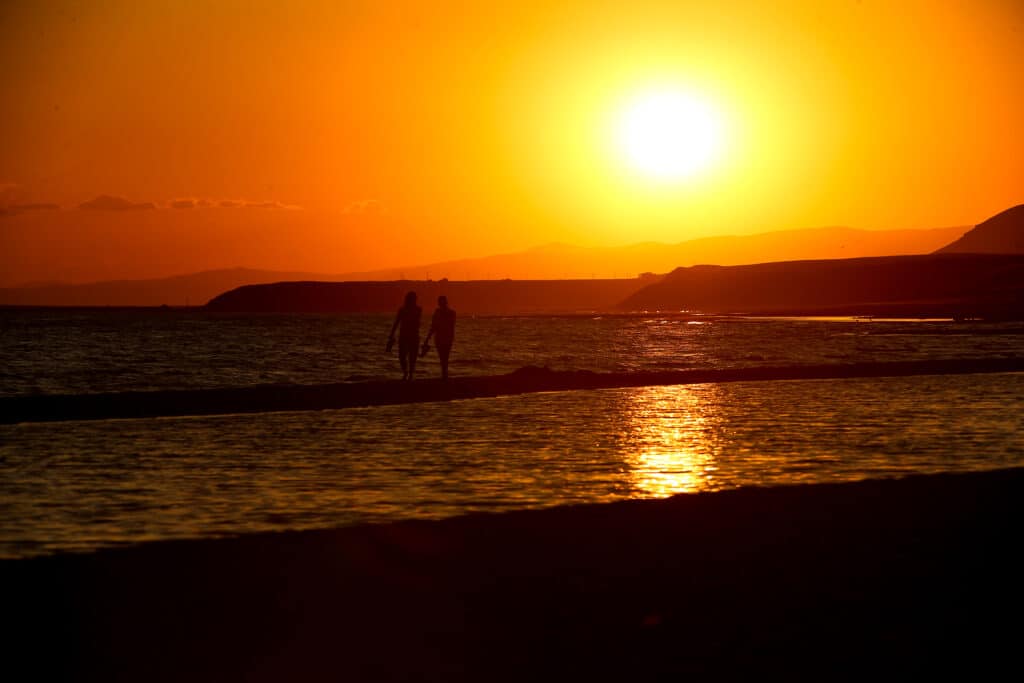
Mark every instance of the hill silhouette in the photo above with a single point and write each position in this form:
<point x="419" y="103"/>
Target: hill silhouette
<point x="477" y="296"/>
<point x="1001" y="234"/>
<point x="551" y="262"/>
<point x="956" y="285"/>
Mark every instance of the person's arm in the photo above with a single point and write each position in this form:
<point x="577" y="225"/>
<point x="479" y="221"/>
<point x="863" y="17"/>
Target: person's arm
<point x="426" y="342"/>
<point x="391" y="335"/>
<point x="398" y="319"/>
<point x="431" y="330"/>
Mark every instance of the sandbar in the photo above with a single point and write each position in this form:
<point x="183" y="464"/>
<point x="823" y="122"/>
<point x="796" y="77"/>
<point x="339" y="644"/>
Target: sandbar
<point x="280" y="397"/>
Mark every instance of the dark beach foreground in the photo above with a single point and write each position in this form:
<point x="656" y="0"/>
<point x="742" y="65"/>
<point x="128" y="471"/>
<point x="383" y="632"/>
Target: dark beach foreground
<point x="877" y="579"/>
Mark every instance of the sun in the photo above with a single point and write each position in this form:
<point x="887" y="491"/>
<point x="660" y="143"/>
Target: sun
<point x="669" y="135"/>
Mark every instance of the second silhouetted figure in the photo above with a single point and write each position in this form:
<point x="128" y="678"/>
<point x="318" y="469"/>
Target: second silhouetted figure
<point x="442" y="326"/>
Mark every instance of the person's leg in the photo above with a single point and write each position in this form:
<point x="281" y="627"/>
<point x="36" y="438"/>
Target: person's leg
<point x="443" y="351"/>
<point x="407" y="354"/>
<point x="414" y="347"/>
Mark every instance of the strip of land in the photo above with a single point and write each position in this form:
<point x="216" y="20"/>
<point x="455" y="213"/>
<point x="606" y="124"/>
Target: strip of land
<point x="942" y="285"/>
<point x="269" y="398"/>
<point x="900" y="579"/>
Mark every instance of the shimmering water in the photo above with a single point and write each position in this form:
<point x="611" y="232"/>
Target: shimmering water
<point x="82" y="485"/>
<point x="95" y="351"/>
<point x="78" y="486"/>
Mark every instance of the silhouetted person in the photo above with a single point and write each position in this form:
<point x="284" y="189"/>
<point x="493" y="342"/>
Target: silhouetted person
<point x="407" y="322"/>
<point x="442" y="326"/>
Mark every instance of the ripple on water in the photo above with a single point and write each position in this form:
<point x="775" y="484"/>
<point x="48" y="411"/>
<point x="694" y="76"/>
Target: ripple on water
<point x="93" y="484"/>
<point x="97" y="351"/>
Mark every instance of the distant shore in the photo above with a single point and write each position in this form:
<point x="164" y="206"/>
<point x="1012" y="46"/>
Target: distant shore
<point x="273" y="397"/>
<point x="942" y="285"/>
<point x="884" y="579"/>
<point x="867" y="313"/>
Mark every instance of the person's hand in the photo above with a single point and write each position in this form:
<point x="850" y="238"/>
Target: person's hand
<point x="390" y="345"/>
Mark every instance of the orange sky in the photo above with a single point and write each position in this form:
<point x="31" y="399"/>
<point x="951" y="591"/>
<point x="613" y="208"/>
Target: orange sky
<point x="429" y="131"/>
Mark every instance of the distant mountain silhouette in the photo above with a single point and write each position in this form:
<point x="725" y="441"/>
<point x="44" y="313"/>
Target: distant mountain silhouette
<point x="985" y="285"/>
<point x="477" y="296"/>
<point x="194" y="289"/>
<point x="564" y="261"/>
<point x="552" y="262"/>
<point x="1001" y="234"/>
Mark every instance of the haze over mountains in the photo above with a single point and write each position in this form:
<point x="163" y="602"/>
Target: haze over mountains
<point x="563" y="261"/>
<point x="943" y="284"/>
<point x="554" y="261"/>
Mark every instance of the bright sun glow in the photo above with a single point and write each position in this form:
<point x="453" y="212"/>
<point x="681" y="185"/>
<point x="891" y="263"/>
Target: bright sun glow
<point x="669" y="135"/>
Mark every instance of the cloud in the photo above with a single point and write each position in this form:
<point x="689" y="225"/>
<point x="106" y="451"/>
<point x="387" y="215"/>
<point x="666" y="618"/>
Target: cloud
<point x="15" y="209"/>
<point x="372" y="207"/>
<point x="12" y="192"/>
<point x="113" y="203"/>
<point x="191" y="203"/>
<point x="14" y="199"/>
<point x="106" y="202"/>
<point x="228" y="204"/>
<point x="268" y="205"/>
<point x="34" y="207"/>
<point x="261" y="205"/>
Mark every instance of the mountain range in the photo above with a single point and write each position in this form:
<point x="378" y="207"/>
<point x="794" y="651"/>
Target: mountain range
<point x="979" y="275"/>
<point x="564" y="261"/>
<point x="553" y="261"/>
<point x="952" y="282"/>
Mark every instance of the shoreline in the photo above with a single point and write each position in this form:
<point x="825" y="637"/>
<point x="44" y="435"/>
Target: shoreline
<point x="276" y="398"/>
<point x="884" y="578"/>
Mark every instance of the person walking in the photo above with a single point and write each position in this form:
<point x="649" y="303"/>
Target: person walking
<point x="442" y="327"/>
<point x="407" y="322"/>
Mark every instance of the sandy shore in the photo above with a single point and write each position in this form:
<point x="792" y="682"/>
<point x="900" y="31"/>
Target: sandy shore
<point x="264" y="398"/>
<point x="871" y="580"/>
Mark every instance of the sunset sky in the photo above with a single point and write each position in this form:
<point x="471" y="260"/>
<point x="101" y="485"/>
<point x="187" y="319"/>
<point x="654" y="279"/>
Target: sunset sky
<point x="339" y="136"/>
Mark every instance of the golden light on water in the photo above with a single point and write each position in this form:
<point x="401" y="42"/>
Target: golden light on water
<point x="675" y="435"/>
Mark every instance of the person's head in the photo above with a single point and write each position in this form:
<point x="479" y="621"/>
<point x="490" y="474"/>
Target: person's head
<point x="410" y="299"/>
<point x="442" y="301"/>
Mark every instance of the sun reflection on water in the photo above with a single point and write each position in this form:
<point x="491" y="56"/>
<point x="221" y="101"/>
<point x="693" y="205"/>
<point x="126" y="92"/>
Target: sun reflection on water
<point x="674" y="435"/>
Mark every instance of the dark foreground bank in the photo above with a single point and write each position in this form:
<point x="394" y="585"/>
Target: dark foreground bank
<point x="273" y="397"/>
<point x="871" y="580"/>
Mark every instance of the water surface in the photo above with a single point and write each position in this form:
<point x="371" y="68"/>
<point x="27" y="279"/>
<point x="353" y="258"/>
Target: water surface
<point x="73" y="352"/>
<point x="83" y="485"/>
